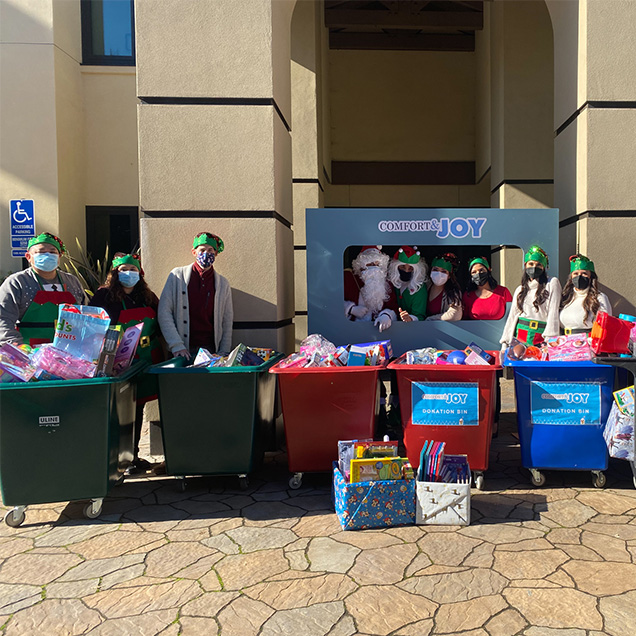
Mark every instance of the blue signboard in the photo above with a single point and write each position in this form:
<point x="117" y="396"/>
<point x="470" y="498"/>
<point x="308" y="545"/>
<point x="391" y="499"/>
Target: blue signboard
<point x="445" y="403"/>
<point x="331" y="231"/>
<point x="571" y="404"/>
<point x="22" y="225"/>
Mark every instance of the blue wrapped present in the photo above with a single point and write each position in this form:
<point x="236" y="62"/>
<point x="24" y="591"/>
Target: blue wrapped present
<point x="373" y="504"/>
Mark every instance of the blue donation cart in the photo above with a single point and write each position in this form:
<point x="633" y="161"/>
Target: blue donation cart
<point x="562" y="408"/>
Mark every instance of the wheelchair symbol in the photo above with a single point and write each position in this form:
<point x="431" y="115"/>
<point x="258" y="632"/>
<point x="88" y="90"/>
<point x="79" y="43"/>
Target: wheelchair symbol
<point x="20" y="215"/>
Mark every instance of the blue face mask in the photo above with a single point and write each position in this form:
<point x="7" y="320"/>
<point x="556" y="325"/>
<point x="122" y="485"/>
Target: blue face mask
<point x="129" y="278"/>
<point x="205" y="259"/>
<point x="46" y="262"/>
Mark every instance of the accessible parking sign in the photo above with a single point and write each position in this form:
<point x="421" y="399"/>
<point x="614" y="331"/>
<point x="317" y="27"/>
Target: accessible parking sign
<point x="22" y="225"/>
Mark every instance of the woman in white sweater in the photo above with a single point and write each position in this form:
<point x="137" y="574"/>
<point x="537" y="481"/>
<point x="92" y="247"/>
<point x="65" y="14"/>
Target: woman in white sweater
<point x="581" y="300"/>
<point x="534" y="311"/>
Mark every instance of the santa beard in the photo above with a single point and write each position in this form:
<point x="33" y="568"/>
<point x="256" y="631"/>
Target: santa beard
<point x="375" y="291"/>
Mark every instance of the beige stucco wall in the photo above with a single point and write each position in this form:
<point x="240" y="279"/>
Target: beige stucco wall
<point x="402" y="105"/>
<point x="110" y="140"/>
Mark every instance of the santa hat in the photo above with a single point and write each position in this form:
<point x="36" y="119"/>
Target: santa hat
<point x="371" y="247"/>
<point x="407" y="254"/>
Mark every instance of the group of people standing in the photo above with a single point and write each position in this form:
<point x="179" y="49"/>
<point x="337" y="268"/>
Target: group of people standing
<point x="194" y="310"/>
<point x="384" y="290"/>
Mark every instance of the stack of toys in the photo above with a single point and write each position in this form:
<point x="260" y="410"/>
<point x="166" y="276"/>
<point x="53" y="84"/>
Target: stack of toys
<point x="240" y="356"/>
<point x="471" y="355"/>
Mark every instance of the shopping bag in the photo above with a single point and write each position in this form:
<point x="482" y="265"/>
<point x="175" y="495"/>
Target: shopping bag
<point x="80" y="331"/>
<point x="619" y="435"/>
<point x="610" y="334"/>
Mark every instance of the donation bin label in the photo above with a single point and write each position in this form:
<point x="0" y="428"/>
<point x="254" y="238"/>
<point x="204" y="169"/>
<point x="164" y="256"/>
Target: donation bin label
<point x="565" y="403"/>
<point x="445" y="403"/>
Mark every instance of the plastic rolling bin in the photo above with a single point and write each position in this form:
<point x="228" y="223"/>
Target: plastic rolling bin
<point x="215" y="421"/>
<point x="65" y="440"/>
<point x="630" y="365"/>
<point x="449" y="403"/>
<point x="562" y="408"/>
<point x="322" y="405"/>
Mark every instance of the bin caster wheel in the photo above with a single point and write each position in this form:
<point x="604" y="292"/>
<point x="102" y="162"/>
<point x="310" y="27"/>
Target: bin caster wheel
<point x="183" y="484"/>
<point x="296" y="481"/>
<point x="479" y="481"/>
<point x="599" y="480"/>
<point x="93" y="509"/>
<point x="244" y="482"/>
<point x="15" y="517"/>
<point x="538" y="478"/>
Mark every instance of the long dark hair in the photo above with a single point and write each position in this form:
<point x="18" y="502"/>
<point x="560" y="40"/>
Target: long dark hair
<point x="542" y="293"/>
<point x="452" y="290"/>
<point x="591" y="303"/>
<point x="141" y="293"/>
<point x="491" y="281"/>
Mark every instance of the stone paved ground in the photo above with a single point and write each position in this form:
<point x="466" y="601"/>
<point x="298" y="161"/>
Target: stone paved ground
<point x="556" y="561"/>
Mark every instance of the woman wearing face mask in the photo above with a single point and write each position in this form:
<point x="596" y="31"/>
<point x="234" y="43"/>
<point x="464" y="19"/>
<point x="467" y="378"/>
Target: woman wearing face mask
<point x="484" y="298"/>
<point x="129" y="301"/>
<point x="581" y="300"/>
<point x="444" y="295"/>
<point x="408" y="275"/>
<point x="195" y="308"/>
<point x="535" y="304"/>
<point x="29" y="299"/>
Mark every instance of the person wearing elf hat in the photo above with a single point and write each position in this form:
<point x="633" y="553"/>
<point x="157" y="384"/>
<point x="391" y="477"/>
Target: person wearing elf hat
<point x="484" y="298"/>
<point x="195" y="307"/>
<point x="408" y="273"/>
<point x="581" y="299"/>
<point x="29" y="299"/>
<point x="444" y="295"/>
<point x="534" y="313"/>
<point x="368" y="294"/>
<point x="129" y="301"/>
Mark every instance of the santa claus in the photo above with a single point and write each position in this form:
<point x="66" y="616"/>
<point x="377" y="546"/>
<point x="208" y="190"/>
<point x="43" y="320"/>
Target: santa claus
<point x="368" y="294"/>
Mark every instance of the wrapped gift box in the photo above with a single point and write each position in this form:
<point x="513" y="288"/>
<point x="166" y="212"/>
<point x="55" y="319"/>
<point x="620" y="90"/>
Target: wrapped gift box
<point x="373" y="504"/>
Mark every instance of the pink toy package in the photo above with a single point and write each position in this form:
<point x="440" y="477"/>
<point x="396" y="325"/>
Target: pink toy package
<point x="127" y="348"/>
<point x="573" y="348"/>
<point x="62" y="364"/>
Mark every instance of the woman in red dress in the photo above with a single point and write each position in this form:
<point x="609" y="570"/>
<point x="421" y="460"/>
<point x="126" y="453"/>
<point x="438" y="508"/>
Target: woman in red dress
<point x="484" y="298"/>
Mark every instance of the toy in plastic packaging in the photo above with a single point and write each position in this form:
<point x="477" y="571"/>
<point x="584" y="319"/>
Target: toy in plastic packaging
<point x="109" y="351"/>
<point x="572" y="348"/>
<point x="610" y="334"/>
<point x="619" y="435"/>
<point x="62" y="364"/>
<point x="369" y="353"/>
<point x="315" y="343"/>
<point x="127" y="348"/>
<point x="421" y="356"/>
<point x="15" y="364"/>
<point x="346" y="452"/>
<point x="294" y="360"/>
<point x="624" y="399"/>
<point x="205" y="358"/>
<point x="475" y="355"/>
<point x="375" y="469"/>
<point x="80" y="331"/>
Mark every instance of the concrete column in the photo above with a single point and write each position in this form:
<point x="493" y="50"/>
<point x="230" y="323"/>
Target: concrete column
<point x="215" y="150"/>
<point x="595" y="120"/>
<point x="309" y="112"/>
<point x="521" y="59"/>
<point x="41" y="128"/>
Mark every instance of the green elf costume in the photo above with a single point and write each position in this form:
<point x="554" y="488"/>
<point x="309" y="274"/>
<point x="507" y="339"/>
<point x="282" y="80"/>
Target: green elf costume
<point x="30" y="299"/>
<point x="409" y="282"/>
<point x="529" y="323"/>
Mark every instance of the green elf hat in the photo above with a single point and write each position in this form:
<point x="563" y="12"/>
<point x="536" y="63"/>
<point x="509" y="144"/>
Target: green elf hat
<point x="535" y="253"/>
<point x="481" y="260"/>
<point x="207" y="238"/>
<point x="51" y="239"/>
<point x="446" y="261"/>
<point x="408" y="255"/>
<point x="127" y="259"/>
<point x="578" y="261"/>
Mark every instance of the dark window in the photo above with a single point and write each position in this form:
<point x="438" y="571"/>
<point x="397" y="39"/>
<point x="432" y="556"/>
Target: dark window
<point x="117" y="227"/>
<point x="108" y="32"/>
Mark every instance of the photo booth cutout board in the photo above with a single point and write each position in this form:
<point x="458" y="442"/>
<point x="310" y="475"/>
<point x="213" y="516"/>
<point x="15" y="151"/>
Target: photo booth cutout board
<point x="331" y="230"/>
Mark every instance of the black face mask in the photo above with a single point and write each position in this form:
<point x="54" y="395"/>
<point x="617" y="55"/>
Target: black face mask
<point x="480" y="278"/>
<point x="405" y="276"/>
<point x="534" y="272"/>
<point x="581" y="282"/>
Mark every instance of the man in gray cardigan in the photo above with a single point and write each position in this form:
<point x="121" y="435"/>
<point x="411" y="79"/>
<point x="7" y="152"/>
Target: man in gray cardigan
<point x="195" y="308"/>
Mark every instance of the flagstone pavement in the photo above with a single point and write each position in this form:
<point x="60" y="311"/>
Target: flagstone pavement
<point x="553" y="561"/>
